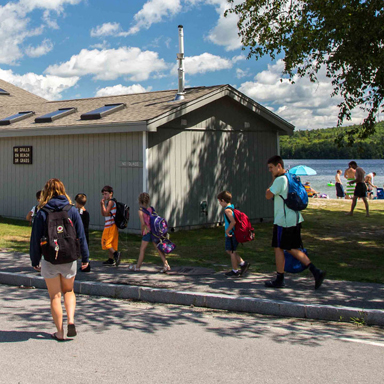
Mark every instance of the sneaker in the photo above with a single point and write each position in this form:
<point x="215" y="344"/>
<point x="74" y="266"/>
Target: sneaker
<point x="320" y="278"/>
<point x="275" y="284"/>
<point x="244" y="268"/>
<point x="233" y="274"/>
<point x="117" y="257"/>
<point x="109" y="262"/>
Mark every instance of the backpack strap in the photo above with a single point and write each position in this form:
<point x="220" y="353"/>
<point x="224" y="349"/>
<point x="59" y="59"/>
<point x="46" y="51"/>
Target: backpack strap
<point x="142" y="209"/>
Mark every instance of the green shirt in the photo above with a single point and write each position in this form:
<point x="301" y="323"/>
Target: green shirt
<point x="284" y="216"/>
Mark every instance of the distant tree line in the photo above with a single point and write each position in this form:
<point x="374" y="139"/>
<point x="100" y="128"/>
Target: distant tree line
<point x="320" y="144"/>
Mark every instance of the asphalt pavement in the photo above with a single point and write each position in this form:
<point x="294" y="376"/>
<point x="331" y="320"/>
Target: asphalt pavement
<point x="201" y="287"/>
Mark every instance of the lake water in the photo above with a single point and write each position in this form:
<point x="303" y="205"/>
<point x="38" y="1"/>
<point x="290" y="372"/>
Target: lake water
<point x="326" y="171"/>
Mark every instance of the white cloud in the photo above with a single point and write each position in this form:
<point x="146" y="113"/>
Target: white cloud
<point x="49" y="87"/>
<point x="107" y="29"/>
<point x="154" y="11"/>
<point x="241" y="73"/>
<point x="14" y="24"/>
<point x="203" y="63"/>
<point x="120" y="89"/>
<point x="225" y="33"/>
<point x="109" y="64"/>
<point x="41" y="50"/>
<point x="304" y="104"/>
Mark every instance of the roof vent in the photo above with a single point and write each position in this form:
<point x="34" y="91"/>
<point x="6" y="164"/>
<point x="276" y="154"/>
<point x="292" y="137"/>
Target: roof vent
<point x="17" y="117"/>
<point x="3" y="92"/>
<point x="102" y="111"/>
<point x="180" y="60"/>
<point x="52" y="116"/>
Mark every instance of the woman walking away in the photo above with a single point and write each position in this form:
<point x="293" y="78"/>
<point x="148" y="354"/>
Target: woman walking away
<point x="58" y="235"/>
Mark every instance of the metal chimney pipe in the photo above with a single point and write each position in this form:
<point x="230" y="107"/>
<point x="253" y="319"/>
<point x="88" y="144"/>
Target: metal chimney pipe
<point x="180" y="59"/>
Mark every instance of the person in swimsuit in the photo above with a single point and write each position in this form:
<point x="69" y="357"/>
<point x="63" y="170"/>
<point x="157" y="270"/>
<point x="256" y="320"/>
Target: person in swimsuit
<point x="360" y="188"/>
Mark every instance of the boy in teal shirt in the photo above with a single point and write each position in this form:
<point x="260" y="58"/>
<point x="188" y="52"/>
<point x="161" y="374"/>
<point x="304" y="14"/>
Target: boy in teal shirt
<point x="239" y="266"/>
<point x="287" y="227"/>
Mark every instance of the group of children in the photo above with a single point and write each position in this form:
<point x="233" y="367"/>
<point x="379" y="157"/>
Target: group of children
<point x="286" y="229"/>
<point x="110" y="236"/>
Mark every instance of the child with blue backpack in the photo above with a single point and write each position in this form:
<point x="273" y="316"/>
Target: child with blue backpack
<point x="287" y="225"/>
<point x="145" y="213"/>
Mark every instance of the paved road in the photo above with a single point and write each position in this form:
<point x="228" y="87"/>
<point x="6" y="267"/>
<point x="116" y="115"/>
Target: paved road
<point x="124" y="341"/>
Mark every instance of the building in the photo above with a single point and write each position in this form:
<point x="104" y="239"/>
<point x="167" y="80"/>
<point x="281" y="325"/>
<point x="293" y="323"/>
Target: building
<point x="182" y="152"/>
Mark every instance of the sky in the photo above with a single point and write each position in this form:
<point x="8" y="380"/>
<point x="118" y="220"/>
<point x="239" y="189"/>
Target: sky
<point x="70" y="49"/>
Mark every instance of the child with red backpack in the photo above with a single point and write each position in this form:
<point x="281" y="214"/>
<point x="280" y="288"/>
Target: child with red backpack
<point x="145" y="213"/>
<point x="239" y="266"/>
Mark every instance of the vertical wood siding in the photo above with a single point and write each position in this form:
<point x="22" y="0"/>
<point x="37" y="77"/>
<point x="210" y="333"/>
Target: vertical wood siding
<point x="187" y="166"/>
<point x="85" y="163"/>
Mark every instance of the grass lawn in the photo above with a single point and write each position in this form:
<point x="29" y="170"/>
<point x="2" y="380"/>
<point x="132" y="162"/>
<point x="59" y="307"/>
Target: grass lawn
<point x="349" y="248"/>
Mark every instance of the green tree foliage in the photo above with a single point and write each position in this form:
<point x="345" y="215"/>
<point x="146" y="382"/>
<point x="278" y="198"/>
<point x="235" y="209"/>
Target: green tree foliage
<point x="320" y="144"/>
<point x="344" y="36"/>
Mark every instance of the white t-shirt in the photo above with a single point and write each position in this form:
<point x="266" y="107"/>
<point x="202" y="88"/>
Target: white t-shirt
<point x="284" y="216"/>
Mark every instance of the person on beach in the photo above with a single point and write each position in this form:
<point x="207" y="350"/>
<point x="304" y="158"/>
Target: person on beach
<point x="370" y="184"/>
<point x="110" y="236"/>
<point x="349" y="174"/>
<point x="145" y="208"/>
<point x="339" y="185"/>
<point x="310" y="191"/>
<point x="360" y="188"/>
<point x="58" y="277"/>
<point x="286" y="227"/>
<point x="239" y="266"/>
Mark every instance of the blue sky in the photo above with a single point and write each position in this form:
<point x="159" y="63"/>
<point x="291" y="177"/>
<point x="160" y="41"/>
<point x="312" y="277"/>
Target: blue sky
<point x="65" y="49"/>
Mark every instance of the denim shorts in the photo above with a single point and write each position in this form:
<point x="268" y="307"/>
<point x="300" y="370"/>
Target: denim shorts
<point x="231" y="243"/>
<point x="147" y="237"/>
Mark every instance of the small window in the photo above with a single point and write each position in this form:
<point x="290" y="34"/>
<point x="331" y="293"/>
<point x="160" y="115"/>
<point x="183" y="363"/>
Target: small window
<point x="49" y="117"/>
<point x="102" y="111"/>
<point x="19" y="116"/>
<point x="3" y="92"/>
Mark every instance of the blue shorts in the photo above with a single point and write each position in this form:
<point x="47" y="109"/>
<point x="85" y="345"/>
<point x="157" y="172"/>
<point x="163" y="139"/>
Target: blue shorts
<point x="147" y="237"/>
<point x="231" y="243"/>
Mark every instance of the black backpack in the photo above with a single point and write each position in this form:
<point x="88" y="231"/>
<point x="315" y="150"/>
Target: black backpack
<point x="122" y="215"/>
<point x="59" y="244"/>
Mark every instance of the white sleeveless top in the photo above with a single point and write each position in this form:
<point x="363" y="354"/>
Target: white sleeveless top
<point x="109" y="220"/>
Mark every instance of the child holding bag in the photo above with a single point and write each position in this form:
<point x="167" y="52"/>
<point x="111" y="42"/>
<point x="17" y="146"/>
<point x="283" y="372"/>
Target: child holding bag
<point x="145" y="212"/>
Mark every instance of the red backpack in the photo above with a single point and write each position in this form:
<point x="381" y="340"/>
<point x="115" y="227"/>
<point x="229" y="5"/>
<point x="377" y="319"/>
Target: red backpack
<point x="243" y="229"/>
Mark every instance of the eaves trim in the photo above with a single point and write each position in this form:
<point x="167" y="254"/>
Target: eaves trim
<point x="140" y="126"/>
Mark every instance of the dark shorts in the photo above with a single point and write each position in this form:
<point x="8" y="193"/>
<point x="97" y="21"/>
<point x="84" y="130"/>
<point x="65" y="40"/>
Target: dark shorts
<point x="360" y="190"/>
<point x="287" y="238"/>
<point x="339" y="190"/>
<point x="147" y="237"/>
<point x="231" y="243"/>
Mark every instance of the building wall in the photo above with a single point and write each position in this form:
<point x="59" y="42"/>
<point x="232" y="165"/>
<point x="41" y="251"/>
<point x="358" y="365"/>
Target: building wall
<point x="85" y="163"/>
<point x="211" y="153"/>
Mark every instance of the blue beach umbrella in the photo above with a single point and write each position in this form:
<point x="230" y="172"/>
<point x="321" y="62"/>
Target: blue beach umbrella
<point x="302" y="170"/>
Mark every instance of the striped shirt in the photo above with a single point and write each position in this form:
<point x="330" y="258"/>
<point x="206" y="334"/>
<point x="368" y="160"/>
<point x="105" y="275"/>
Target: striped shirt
<point x="109" y="220"/>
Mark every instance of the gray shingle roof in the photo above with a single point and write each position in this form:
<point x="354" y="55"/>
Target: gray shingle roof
<point x="17" y="96"/>
<point x="139" y="107"/>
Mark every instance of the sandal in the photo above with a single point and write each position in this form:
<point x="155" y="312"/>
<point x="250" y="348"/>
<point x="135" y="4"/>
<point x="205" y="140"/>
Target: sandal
<point x="54" y="337"/>
<point x="165" y="269"/>
<point x="71" y="330"/>
<point x="133" y="268"/>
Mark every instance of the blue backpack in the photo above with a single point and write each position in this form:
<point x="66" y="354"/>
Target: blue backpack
<point x="159" y="226"/>
<point x="297" y="198"/>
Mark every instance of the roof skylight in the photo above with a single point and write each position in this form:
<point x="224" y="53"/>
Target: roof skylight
<point x="17" y="117"/>
<point x="3" y="92"/>
<point x="102" y="111"/>
<point x="58" y="114"/>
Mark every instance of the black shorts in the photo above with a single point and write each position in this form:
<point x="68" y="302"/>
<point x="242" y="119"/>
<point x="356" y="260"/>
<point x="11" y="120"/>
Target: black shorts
<point x="360" y="190"/>
<point x="287" y="238"/>
<point x="339" y="190"/>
